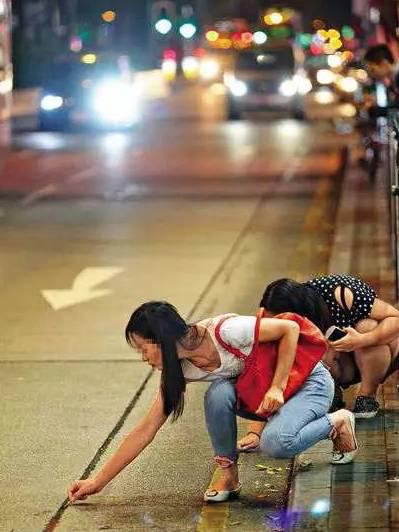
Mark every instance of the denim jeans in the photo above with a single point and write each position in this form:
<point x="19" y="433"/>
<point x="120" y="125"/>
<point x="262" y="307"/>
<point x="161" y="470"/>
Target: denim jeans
<point x="300" y="423"/>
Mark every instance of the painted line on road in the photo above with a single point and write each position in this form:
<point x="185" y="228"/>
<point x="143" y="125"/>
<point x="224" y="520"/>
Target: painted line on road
<point x="53" y="523"/>
<point x="48" y="190"/>
<point x="52" y="188"/>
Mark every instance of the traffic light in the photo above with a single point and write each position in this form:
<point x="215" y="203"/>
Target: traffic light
<point x="163" y="25"/>
<point x="163" y="16"/>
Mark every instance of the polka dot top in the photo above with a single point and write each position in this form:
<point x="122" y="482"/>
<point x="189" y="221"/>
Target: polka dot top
<point x="363" y="298"/>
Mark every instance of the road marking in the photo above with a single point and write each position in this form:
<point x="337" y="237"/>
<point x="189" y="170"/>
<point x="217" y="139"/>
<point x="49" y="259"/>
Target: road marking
<point x="82" y="288"/>
<point x="48" y="190"/>
<point x="51" y="188"/>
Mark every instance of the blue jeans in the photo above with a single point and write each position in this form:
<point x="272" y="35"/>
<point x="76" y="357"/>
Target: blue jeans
<point x="300" y="423"/>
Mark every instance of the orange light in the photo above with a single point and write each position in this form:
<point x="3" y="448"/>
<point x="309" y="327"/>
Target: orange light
<point x="108" y="16"/>
<point x="212" y="36"/>
<point x="225" y="43"/>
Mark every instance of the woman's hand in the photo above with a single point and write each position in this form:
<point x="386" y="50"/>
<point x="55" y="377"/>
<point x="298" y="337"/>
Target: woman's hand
<point x="249" y="442"/>
<point x="350" y="342"/>
<point x="272" y="401"/>
<point x="81" y="489"/>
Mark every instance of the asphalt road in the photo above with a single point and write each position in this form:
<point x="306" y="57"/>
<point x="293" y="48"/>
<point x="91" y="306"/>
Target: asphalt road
<point x="187" y="208"/>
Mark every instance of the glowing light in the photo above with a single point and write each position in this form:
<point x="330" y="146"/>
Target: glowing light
<point x="325" y="77"/>
<point x="323" y="35"/>
<point x="333" y="34"/>
<point x="211" y="35"/>
<point x="246" y="37"/>
<point x="75" y="44"/>
<point x="187" y="30"/>
<point x="324" y="96"/>
<point x="287" y="88"/>
<point x="348" y="110"/>
<point x="238" y="88"/>
<point x="305" y="39"/>
<point x="336" y="44"/>
<point x="347" y="32"/>
<point x="209" y="69"/>
<point x="334" y="61"/>
<point x="259" y="37"/>
<point x="169" y="67"/>
<point x="321" y="506"/>
<point x="51" y="102"/>
<point x="225" y="43"/>
<point x="273" y="18"/>
<point x="315" y="49"/>
<point x="348" y="84"/>
<point x="163" y="26"/>
<point x="115" y="102"/>
<point x="108" y="16"/>
<point x="303" y="84"/>
<point x="190" y="66"/>
<point x="169" y="53"/>
<point x="88" y="59"/>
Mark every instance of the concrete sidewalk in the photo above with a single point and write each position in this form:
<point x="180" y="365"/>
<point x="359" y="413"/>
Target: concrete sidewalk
<point x="356" y="496"/>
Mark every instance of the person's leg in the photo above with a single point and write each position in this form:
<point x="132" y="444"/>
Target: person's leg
<point x="372" y="362"/>
<point x="220" y="414"/>
<point x="303" y="420"/>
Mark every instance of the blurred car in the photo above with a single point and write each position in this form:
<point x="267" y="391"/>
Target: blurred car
<point x="269" y="78"/>
<point x="91" y="90"/>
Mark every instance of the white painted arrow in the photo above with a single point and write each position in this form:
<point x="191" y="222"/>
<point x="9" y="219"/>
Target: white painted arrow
<point x="83" y="288"/>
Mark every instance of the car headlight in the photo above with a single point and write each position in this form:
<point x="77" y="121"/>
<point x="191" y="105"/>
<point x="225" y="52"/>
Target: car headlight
<point x="209" y="69"/>
<point x="288" y="88"/>
<point x="116" y="101"/>
<point x="238" y="88"/>
<point x="50" y="102"/>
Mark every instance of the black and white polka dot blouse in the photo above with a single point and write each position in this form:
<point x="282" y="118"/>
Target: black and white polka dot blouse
<point x="363" y="298"/>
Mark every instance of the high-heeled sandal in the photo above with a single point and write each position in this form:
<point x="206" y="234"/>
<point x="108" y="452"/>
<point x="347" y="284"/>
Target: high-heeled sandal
<point x="221" y="495"/>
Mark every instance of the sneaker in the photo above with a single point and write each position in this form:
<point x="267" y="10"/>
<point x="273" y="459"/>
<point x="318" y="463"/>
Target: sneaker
<point x="345" y="443"/>
<point x="365" y="407"/>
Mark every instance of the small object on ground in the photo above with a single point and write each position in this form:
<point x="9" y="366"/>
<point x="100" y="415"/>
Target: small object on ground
<point x="305" y="464"/>
<point x="394" y="479"/>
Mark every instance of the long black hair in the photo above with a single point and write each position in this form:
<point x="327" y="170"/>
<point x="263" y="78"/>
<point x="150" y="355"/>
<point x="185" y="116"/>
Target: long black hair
<point x="159" y="322"/>
<point x="287" y="295"/>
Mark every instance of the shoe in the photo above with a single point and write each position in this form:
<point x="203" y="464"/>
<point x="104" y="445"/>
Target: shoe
<point x="365" y="407"/>
<point x="345" y="443"/>
<point x="221" y="496"/>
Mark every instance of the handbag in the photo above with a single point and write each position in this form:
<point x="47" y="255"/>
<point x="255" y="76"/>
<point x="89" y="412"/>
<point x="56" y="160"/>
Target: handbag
<point x="260" y="365"/>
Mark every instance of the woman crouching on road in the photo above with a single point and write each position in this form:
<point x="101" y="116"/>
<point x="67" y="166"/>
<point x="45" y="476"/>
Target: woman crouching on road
<point x="185" y="353"/>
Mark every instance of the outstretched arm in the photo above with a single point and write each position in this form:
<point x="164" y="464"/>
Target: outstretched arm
<point x="134" y="443"/>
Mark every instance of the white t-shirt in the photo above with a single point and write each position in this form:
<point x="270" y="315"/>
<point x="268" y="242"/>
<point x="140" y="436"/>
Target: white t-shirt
<point x="237" y="331"/>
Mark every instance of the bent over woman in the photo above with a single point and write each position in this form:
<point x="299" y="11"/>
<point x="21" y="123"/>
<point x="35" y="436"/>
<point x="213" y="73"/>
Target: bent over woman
<point x="184" y="353"/>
